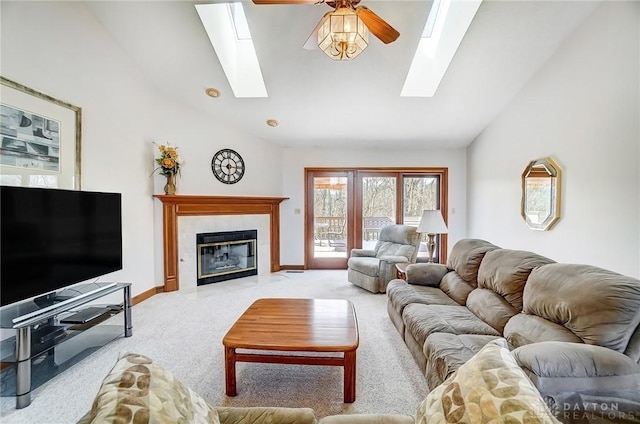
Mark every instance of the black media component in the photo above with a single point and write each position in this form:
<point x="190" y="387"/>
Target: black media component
<point x="45" y="336"/>
<point x="85" y="315"/>
<point x="50" y="239"/>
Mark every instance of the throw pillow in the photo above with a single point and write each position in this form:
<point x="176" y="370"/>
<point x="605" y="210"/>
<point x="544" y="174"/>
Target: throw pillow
<point x="489" y="388"/>
<point x="138" y="390"/>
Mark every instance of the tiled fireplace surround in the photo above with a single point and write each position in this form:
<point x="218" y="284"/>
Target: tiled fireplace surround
<point x="184" y="216"/>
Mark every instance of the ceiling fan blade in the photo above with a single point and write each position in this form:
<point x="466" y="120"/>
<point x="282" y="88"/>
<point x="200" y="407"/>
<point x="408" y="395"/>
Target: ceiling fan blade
<point x="287" y="1"/>
<point x="312" y="41"/>
<point x="377" y="26"/>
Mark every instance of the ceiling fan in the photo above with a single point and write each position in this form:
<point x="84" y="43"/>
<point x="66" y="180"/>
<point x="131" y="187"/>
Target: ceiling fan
<point x="343" y="33"/>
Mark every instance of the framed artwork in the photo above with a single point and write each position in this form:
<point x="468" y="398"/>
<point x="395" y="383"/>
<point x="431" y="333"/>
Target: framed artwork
<point x="40" y="139"/>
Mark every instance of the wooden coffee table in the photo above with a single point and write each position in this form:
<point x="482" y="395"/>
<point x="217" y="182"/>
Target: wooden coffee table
<point x="295" y="325"/>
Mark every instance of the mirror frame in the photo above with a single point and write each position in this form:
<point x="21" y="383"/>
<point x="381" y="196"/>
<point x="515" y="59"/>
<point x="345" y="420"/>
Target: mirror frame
<point x="555" y="174"/>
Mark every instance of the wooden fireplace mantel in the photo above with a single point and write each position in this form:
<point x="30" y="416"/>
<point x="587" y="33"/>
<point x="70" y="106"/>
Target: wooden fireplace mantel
<point x="174" y="206"/>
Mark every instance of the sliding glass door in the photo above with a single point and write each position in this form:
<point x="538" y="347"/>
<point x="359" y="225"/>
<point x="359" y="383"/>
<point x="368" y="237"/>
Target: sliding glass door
<point x="347" y="208"/>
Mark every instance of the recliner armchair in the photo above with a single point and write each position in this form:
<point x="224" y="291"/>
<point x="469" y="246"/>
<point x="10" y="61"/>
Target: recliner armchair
<point x="373" y="269"/>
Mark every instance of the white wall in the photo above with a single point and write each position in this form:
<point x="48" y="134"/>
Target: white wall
<point x="296" y="160"/>
<point x="582" y="108"/>
<point x="60" y="49"/>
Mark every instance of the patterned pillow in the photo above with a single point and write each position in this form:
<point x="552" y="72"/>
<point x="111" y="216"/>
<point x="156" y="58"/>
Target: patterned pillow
<point x="489" y="388"/>
<point x="138" y="391"/>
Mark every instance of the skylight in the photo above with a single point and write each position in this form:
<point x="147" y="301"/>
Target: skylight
<point x="228" y="31"/>
<point x="444" y="30"/>
<point x="239" y="21"/>
<point x="431" y="19"/>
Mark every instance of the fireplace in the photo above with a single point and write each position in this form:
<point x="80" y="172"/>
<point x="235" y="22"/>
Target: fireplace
<point x="237" y="209"/>
<point x="226" y="255"/>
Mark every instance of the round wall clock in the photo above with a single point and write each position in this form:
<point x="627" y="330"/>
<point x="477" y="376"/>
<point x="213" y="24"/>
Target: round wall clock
<point x="228" y="166"/>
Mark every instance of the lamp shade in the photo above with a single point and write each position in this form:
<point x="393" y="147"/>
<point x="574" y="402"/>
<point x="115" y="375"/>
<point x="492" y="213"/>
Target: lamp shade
<point x="342" y="34"/>
<point x="432" y="223"/>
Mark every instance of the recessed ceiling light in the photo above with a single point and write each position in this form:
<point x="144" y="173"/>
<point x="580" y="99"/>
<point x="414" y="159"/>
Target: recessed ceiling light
<point x="272" y="122"/>
<point x="213" y="92"/>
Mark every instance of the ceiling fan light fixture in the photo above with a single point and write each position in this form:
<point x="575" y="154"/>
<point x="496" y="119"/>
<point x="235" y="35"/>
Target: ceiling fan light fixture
<point x="342" y="35"/>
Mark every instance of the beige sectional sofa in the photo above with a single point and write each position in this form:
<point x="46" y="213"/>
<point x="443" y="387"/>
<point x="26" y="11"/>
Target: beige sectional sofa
<point x="574" y="329"/>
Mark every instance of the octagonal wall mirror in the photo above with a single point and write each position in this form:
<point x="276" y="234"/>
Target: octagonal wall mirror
<point x="541" y="194"/>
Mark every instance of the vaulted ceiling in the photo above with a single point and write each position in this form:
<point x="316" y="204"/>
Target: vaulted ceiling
<point x="322" y="103"/>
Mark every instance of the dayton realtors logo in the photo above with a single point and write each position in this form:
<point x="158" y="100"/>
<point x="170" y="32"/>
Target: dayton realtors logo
<point x="588" y="411"/>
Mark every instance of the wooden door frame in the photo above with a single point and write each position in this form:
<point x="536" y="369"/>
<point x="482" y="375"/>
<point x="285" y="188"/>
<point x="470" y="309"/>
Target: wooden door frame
<point x="309" y="227"/>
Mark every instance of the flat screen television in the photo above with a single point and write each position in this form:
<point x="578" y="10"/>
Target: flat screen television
<point x="51" y="238"/>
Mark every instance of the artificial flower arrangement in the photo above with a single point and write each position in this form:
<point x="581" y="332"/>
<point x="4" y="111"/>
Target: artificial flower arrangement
<point x="168" y="163"/>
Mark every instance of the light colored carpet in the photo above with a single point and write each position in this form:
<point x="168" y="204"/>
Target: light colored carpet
<point x="183" y="331"/>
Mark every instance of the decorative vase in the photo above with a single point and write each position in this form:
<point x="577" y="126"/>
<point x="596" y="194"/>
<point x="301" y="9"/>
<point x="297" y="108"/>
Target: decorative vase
<point x="170" y="186"/>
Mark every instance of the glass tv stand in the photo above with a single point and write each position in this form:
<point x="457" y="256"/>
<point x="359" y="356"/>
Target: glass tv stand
<point x="55" y="331"/>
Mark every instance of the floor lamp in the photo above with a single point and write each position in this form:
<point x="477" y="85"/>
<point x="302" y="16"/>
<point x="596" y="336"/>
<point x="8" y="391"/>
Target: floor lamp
<point x="432" y="223"/>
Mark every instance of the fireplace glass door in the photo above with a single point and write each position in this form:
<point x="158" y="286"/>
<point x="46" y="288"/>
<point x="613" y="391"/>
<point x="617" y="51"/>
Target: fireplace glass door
<point x="223" y="256"/>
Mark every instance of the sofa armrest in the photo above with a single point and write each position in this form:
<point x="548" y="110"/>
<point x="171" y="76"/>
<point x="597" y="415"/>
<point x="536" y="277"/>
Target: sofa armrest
<point x="265" y="415"/>
<point x="368" y="419"/>
<point x="426" y="274"/>
<point x="565" y="366"/>
<point x="387" y="270"/>
<point x="394" y="259"/>
<point x="362" y="252"/>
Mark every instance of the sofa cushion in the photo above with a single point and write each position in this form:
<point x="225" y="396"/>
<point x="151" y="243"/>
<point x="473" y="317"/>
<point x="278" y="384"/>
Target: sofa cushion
<point x="564" y="294"/>
<point x="139" y="390"/>
<point x="387" y="248"/>
<point x="423" y="320"/>
<point x="523" y="329"/>
<point x="456" y="288"/>
<point x="561" y="366"/>
<point x="400" y="294"/>
<point x="466" y="256"/>
<point x="398" y="234"/>
<point x="445" y="353"/>
<point x="490" y="388"/>
<point x="398" y="240"/>
<point x="367" y="266"/>
<point x="491" y="308"/>
<point x="505" y="272"/>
